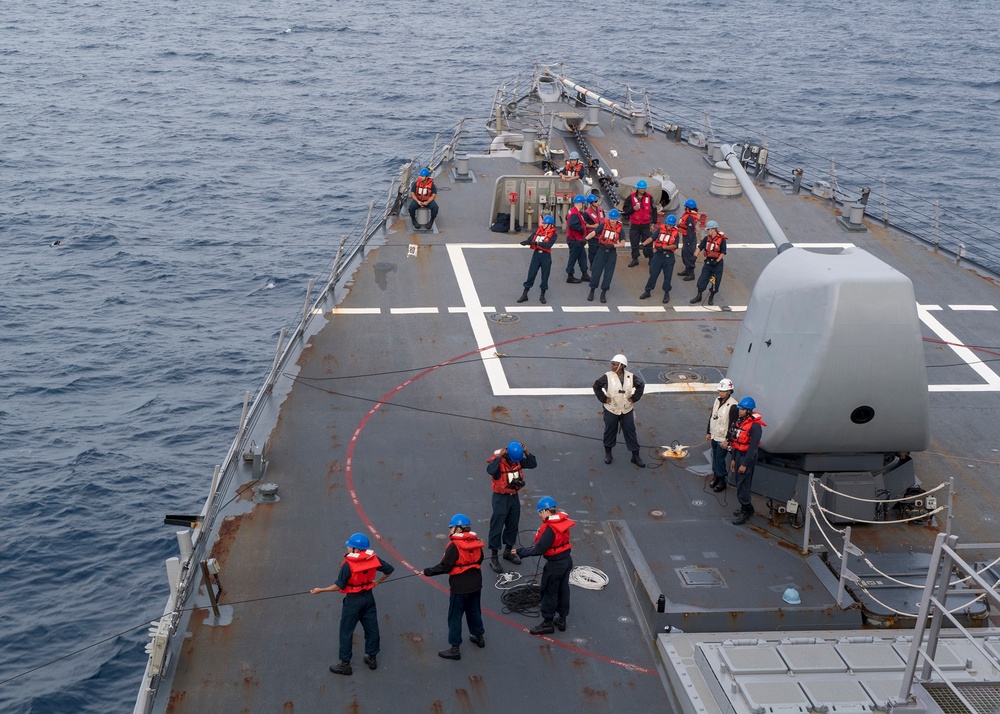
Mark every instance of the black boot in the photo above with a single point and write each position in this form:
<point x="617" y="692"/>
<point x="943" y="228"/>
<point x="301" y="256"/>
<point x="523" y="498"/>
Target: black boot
<point x="604" y="296"/>
<point x="450" y="653"/>
<point x="645" y="295"/>
<point x="571" y="279"/>
<point x="524" y="296"/>
<point x="666" y="298"/>
<point x="682" y="273"/>
<point x="495" y="563"/>
<point x="711" y="298"/>
<point x="744" y="516"/>
<point x="541" y="298"/>
<point x="608" y="458"/>
<point x="695" y="299"/>
<point x="689" y="276"/>
<point x="512" y="557"/>
<point x="371" y="661"/>
<point x="342" y="668"/>
<point x="718" y="485"/>
<point x="560" y="623"/>
<point x="635" y="262"/>
<point x="585" y="278"/>
<point x="637" y="460"/>
<point x="543" y="628"/>
<point x="478" y="640"/>
<point x="591" y="296"/>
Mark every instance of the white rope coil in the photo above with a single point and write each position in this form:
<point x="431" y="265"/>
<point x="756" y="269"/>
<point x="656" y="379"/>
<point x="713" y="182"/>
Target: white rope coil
<point x="584" y="576"/>
<point x="505" y="581"/>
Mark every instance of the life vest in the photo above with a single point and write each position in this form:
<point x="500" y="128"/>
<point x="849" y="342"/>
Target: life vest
<point x="619" y="392"/>
<point x="570" y="233"/>
<point x="470" y="549"/>
<point x="666" y="238"/>
<point x="596" y="214"/>
<point x="690" y="221"/>
<point x="609" y="233"/>
<point x="363" y="566"/>
<point x="742" y="440"/>
<point x="642" y="209"/>
<point x="424" y="188"/>
<point x="720" y="419"/>
<point x="509" y="472"/>
<point x="544" y="234"/>
<point x="560" y="524"/>
<point x="713" y="246"/>
<point x="573" y="168"/>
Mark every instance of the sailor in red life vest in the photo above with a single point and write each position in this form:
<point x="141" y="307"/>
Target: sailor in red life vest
<point x="506" y="468"/>
<point x="594" y="215"/>
<point x="552" y="542"/>
<point x="688" y="225"/>
<point x="462" y="561"/>
<point x="356" y="580"/>
<point x="422" y="195"/>
<point x="577" y="232"/>
<point x="609" y="235"/>
<point x="664" y="244"/>
<point x="713" y="245"/>
<point x="574" y="168"/>
<point x="744" y="445"/>
<point x="641" y="212"/>
<point x="541" y="245"/>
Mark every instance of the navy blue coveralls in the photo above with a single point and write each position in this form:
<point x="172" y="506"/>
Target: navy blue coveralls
<point x="358" y="607"/>
<point x="465" y="599"/>
<point x="432" y="206"/>
<point x="711" y="269"/>
<point x="748" y="458"/>
<point x="577" y="248"/>
<point x="506" y="507"/>
<point x="542" y="258"/>
<point x="689" y="226"/>
<point x="662" y="261"/>
<point x="639" y="232"/>
<point x="555" y="575"/>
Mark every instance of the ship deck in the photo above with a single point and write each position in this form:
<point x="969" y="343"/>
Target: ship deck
<point x="424" y="364"/>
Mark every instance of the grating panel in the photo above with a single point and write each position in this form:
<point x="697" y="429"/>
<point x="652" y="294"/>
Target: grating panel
<point x="983" y="696"/>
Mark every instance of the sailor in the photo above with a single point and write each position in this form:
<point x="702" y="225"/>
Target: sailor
<point x="541" y="245"/>
<point x="689" y="228"/>
<point x="577" y="232"/>
<point x="462" y="561"/>
<point x="619" y="389"/>
<point x="664" y="245"/>
<point x="609" y="235"/>
<point x="506" y="467"/>
<point x="641" y="212"/>
<point x="422" y="195"/>
<point x="594" y="215"/>
<point x="721" y="422"/>
<point x="552" y="542"/>
<point x="745" y="443"/>
<point x="574" y="168"/>
<point x="356" y="580"/>
<point x="713" y="245"/>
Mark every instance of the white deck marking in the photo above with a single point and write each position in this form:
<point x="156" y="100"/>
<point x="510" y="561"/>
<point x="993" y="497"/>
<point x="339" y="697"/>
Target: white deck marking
<point x="978" y="308"/>
<point x="965" y="354"/>
<point x="413" y="310"/>
<point x="528" y="308"/>
<point x="357" y="311"/>
<point x="463" y="310"/>
<point x="586" y="308"/>
<point x="730" y="246"/>
<point x="928" y="307"/>
<point x="641" y="308"/>
<point x="710" y="308"/>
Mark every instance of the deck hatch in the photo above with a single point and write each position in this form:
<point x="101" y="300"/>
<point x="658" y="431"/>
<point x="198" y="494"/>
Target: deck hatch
<point x="807" y="658"/>
<point x="743" y="660"/>
<point x="701" y="577"/>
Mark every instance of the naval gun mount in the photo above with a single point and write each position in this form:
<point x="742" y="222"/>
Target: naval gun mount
<point x="831" y="350"/>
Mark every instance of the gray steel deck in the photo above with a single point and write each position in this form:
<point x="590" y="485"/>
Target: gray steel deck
<point x="391" y="417"/>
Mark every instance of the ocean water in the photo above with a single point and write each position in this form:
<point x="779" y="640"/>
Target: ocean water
<point x="198" y="163"/>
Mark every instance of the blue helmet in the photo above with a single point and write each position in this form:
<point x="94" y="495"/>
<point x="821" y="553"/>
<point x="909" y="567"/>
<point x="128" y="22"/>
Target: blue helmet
<point x="613" y="214"/>
<point x="459" y="520"/>
<point x="748" y="403"/>
<point x="515" y="452"/>
<point x="549" y="221"/>
<point x="579" y="198"/>
<point x="359" y="541"/>
<point x="592" y="198"/>
<point x="546" y="502"/>
<point x="712" y="224"/>
<point x="641" y="183"/>
<point x="574" y="155"/>
<point x="425" y="172"/>
<point x="671" y="220"/>
<point x="690" y="203"/>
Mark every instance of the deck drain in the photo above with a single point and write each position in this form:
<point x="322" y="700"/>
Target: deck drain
<point x="697" y="502"/>
<point x="657" y="513"/>
<point x="504" y="317"/>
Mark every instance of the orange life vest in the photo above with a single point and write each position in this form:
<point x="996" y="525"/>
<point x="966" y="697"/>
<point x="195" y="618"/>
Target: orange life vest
<point x="596" y="214"/>
<point x="642" y="209"/>
<point x="560" y="524"/>
<point x="570" y="233"/>
<point x="544" y="234"/>
<point x="573" y="168"/>
<point x="424" y="188"/>
<point x="363" y="566"/>
<point x="689" y="220"/>
<point x="609" y="234"/>
<point x="509" y="472"/>
<point x="742" y="440"/>
<point x="666" y="239"/>
<point x="470" y="549"/>
<point x="713" y="246"/>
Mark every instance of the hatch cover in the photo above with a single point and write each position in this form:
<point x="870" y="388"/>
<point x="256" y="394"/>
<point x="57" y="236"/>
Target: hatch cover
<point x="701" y="578"/>
<point x="504" y="317"/>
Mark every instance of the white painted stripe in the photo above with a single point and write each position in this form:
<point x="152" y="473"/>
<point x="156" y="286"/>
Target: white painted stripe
<point x="964" y="353"/>
<point x="357" y="310"/>
<point x="963" y="388"/>
<point x="413" y="310"/>
<point x="709" y="308"/>
<point x="978" y="308"/>
<point x="641" y="308"/>
<point x="928" y="307"/>
<point x="528" y="308"/>
<point x="463" y="310"/>
<point x="586" y="308"/>
<point x="480" y="325"/>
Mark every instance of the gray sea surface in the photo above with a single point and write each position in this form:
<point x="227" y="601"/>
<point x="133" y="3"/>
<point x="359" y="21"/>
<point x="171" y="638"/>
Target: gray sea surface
<point x="198" y="163"/>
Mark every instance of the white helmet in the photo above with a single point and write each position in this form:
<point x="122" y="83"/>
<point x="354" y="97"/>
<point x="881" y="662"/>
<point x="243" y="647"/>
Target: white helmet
<point x="726" y="385"/>
<point x="620" y="359"/>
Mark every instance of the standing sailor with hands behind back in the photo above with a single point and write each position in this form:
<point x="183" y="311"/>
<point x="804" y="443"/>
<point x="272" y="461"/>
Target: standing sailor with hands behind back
<point x="506" y="468"/>
<point x="541" y="244"/>
<point x="618" y="390"/>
